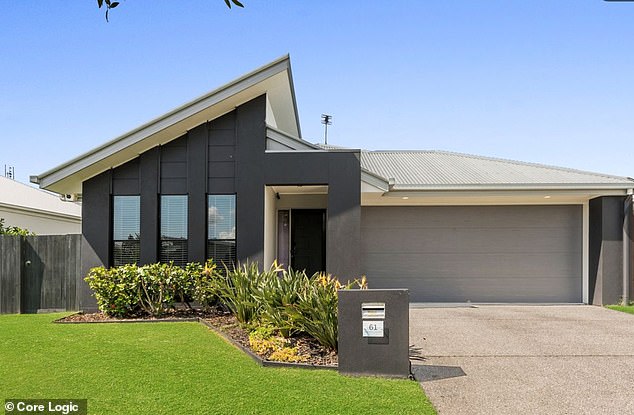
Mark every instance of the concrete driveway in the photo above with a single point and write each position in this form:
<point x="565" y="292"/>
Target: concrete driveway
<point x="524" y="359"/>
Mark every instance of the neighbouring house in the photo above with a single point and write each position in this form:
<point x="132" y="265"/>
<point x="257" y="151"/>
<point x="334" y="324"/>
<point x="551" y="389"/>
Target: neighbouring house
<point x="39" y="211"/>
<point x="228" y="176"/>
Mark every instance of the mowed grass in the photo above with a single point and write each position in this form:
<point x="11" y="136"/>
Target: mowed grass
<point x="176" y="368"/>
<point x="624" y="308"/>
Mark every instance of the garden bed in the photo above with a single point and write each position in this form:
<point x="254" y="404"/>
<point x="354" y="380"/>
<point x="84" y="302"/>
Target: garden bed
<point x="226" y="324"/>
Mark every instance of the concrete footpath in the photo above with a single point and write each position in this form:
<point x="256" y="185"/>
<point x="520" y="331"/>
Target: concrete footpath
<point x="524" y="359"/>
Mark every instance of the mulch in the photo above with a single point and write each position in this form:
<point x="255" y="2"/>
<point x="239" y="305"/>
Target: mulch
<point x="222" y="321"/>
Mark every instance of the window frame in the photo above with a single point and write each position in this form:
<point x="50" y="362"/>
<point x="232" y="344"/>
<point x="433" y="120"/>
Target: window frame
<point x="114" y="241"/>
<point x="182" y="242"/>
<point x="210" y="240"/>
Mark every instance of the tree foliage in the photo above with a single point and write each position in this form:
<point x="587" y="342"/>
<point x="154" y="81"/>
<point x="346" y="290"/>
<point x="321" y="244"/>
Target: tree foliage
<point x="13" y="230"/>
<point x="109" y="4"/>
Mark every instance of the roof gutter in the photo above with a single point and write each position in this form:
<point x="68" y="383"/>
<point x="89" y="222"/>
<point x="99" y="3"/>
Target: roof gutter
<point x="505" y="186"/>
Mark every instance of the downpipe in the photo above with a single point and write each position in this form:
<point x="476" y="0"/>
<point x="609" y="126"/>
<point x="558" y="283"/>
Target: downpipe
<point x="627" y="251"/>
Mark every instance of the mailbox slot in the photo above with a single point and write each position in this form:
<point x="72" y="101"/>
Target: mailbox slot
<point x="373" y="319"/>
<point x="373" y="311"/>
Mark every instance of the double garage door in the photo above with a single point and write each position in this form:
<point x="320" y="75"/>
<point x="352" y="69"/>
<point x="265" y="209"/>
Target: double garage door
<point x="475" y="253"/>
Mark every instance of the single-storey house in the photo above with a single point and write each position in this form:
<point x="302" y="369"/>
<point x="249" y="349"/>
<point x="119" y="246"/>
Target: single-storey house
<point x="36" y="210"/>
<point x="228" y="176"/>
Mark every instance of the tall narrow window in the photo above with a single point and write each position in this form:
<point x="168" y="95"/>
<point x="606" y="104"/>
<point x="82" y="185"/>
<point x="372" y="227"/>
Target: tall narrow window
<point x="221" y="229"/>
<point x="126" y="232"/>
<point x="173" y="229"/>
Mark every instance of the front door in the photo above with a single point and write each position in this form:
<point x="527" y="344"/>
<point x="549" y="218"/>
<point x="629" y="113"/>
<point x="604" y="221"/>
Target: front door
<point x="308" y="240"/>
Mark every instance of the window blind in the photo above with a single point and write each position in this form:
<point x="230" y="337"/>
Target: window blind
<point x="173" y="245"/>
<point x="126" y="232"/>
<point x="221" y="229"/>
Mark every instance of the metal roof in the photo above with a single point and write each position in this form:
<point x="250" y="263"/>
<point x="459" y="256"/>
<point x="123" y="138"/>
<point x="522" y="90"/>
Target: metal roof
<point x="441" y="169"/>
<point x="20" y="196"/>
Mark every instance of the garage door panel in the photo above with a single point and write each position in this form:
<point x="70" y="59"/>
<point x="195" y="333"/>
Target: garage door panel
<point x="452" y="266"/>
<point x="528" y="290"/>
<point x="477" y="253"/>
<point x="474" y="216"/>
<point x="460" y="240"/>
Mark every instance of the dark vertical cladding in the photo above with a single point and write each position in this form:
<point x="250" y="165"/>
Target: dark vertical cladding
<point x="595" y="219"/>
<point x="196" y="186"/>
<point x="149" y="170"/>
<point x="125" y="179"/>
<point x="221" y="156"/>
<point x="173" y="173"/>
<point x="606" y="250"/>
<point x="344" y="215"/>
<point x="96" y="213"/>
<point x="250" y="148"/>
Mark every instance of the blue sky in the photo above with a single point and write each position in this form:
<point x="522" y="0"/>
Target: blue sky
<point x="541" y="81"/>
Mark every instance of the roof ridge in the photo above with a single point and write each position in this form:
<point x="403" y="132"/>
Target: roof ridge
<point x="511" y="161"/>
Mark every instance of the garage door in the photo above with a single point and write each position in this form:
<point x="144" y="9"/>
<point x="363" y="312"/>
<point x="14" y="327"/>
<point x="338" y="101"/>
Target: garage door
<point x="475" y="253"/>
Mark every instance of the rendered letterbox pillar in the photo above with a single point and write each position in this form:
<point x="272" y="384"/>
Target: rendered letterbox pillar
<point x="374" y="332"/>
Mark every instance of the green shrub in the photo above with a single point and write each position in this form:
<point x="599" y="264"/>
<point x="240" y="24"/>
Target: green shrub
<point x="116" y="289"/>
<point x="13" y="230"/>
<point x="277" y="295"/>
<point x="159" y="286"/>
<point x="129" y="290"/>
<point x="203" y="280"/>
<point x="238" y="290"/>
<point x="316" y="310"/>
<point x="287" y="301"/>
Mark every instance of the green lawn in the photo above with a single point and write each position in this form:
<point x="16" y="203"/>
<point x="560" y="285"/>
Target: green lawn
<point x="623" y="308"/>
<point x="176" y="368"/>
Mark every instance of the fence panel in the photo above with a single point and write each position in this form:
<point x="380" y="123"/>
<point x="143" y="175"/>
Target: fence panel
<point x="50" y="272"/>
<point x="10" y="265"/>
<point x="39" y="273"/>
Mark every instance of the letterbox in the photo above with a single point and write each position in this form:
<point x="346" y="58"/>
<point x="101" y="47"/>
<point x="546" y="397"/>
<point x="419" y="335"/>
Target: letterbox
<point x="374" y="332"/>
<point x="373" y="315"/>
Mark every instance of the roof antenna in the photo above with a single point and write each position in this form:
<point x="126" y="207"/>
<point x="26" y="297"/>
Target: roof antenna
<point x="326" y="120"/>
<point x="9" y="172"/>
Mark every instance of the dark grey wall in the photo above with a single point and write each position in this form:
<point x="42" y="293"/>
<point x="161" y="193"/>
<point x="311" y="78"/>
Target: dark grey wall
<point x="250" y="171"/>
<point x="149" y="182"/>
<point x="606" y="250"/>
<point x="197" y="140"/>
<point x="96" y="231"/>
<point x="173" y="174"/>
<point x="341" y="171"/>
<point x="225" y="156"/>
<point x="256" y="169"/>
<point x="125" y="179"/>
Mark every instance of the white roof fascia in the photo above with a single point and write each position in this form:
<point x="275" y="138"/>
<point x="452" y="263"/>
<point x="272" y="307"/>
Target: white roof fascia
<point x="512" y="187"/>
<point x="374" y="180"/>
<point x="175" y="116"/>
<point x="40" y="212"/>
<point x="288" y="140"/>
<point x="584" y="193"/>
